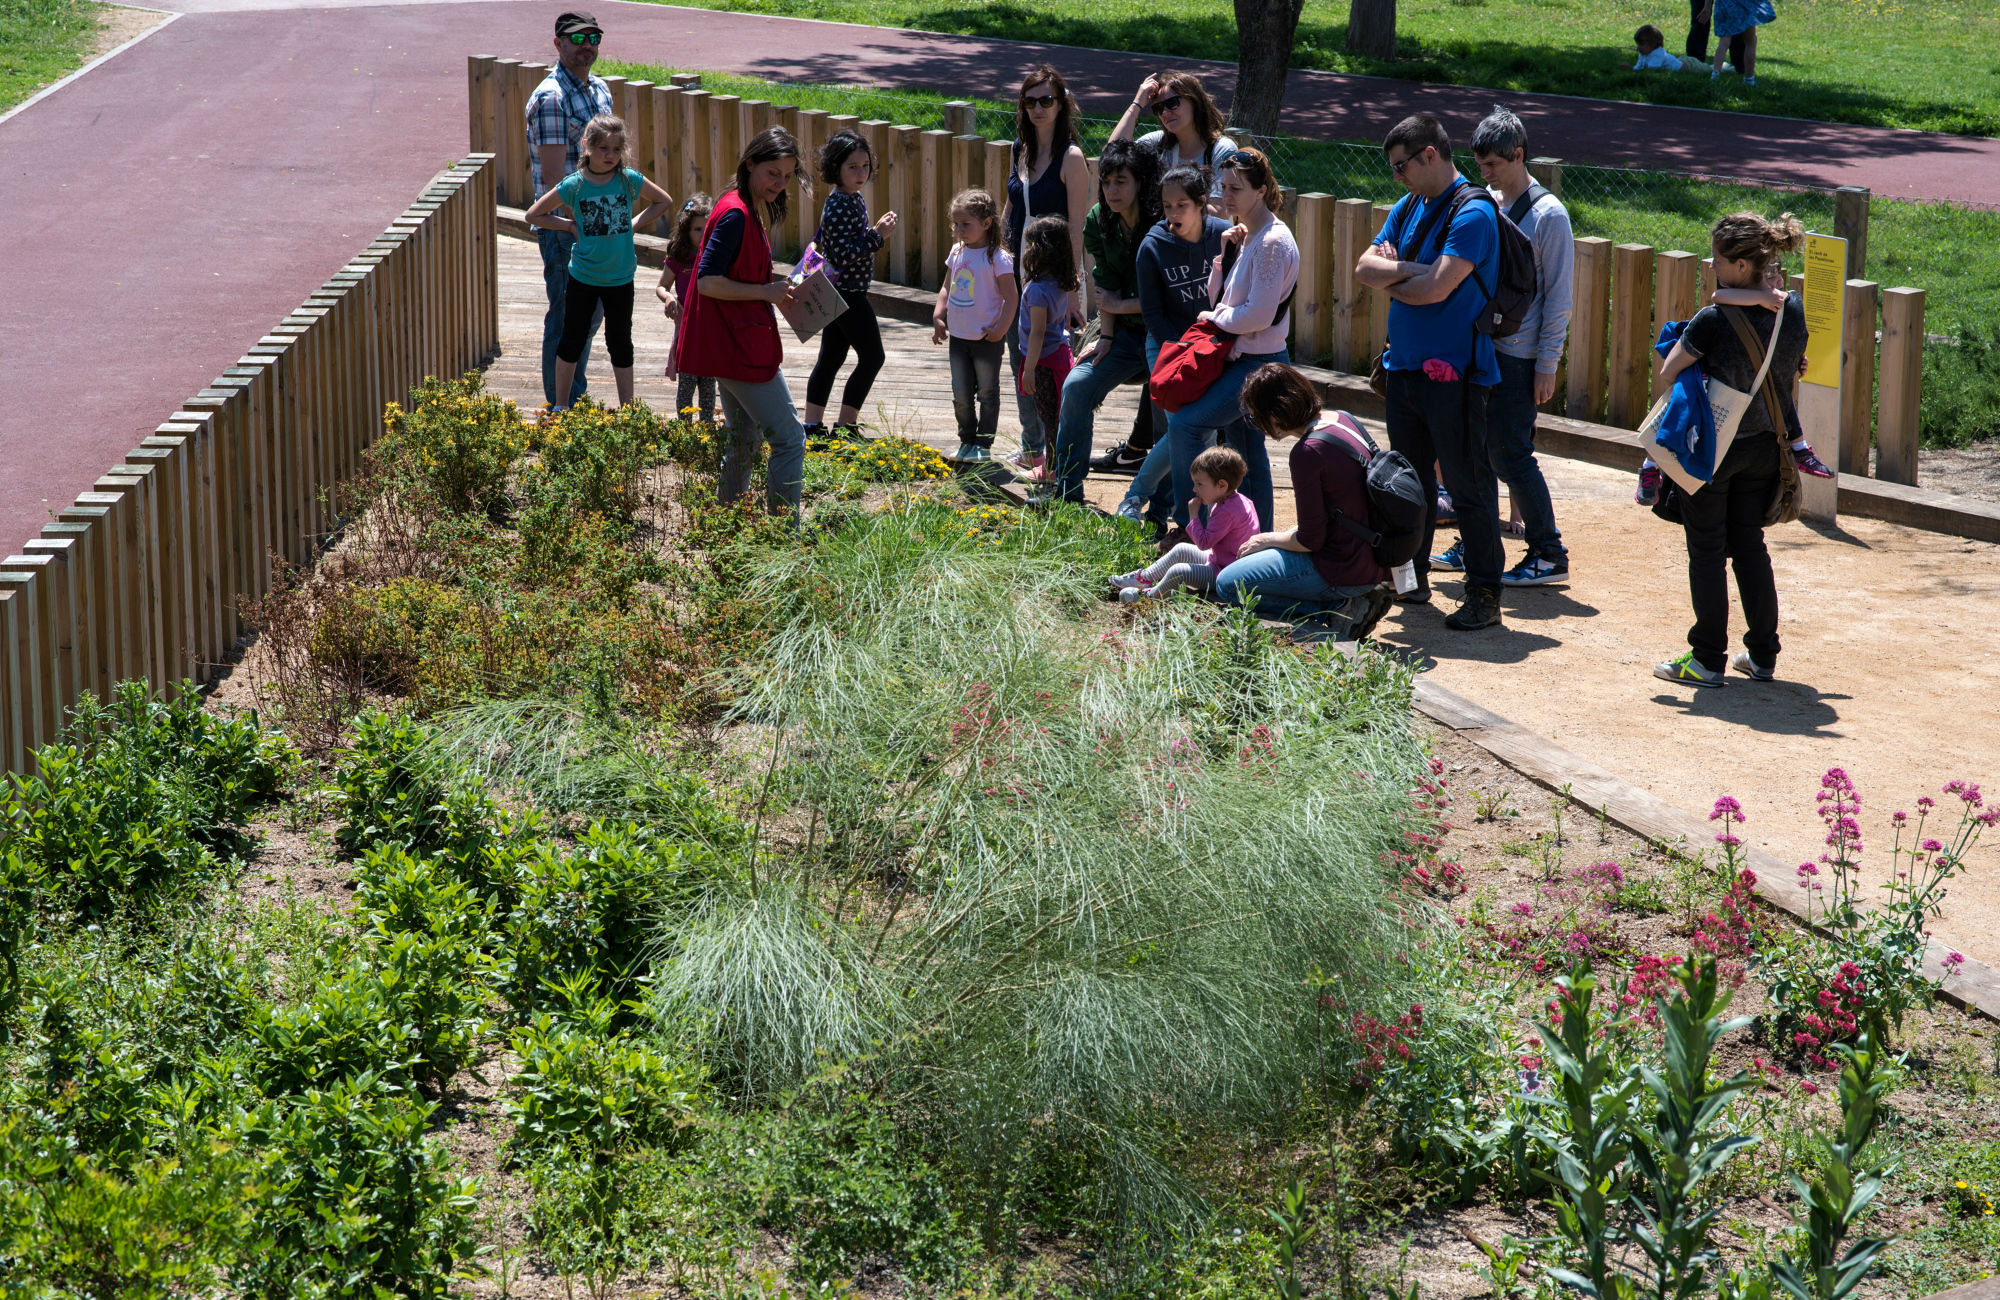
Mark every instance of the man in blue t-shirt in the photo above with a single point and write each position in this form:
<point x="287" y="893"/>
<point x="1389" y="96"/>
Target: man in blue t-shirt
<point x="1439" y="260"/>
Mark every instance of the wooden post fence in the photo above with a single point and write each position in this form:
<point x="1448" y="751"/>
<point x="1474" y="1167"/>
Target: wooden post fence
<point x="144" y="575"/>
<point x="1902" y="380"/>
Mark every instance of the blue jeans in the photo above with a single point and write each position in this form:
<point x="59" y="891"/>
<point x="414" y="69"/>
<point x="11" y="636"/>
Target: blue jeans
<point x="1151" y="494"/>
<point x="1033" y="435"/>
<point x="1192" y="429"/>
<point x="1277" y="583"/>
<point x="1089" y="383"/>
<point x="556" y="246"/>
<point x="1510" y="444"/>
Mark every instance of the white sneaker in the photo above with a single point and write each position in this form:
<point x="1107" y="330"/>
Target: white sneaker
<point x="1743" y="663"/>
<point x="1126" y="581"/>
<point x="1133" y="595"/>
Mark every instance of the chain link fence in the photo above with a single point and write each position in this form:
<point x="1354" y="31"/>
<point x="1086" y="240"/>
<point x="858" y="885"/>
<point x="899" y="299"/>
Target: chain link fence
<point x="1623" y="204"/>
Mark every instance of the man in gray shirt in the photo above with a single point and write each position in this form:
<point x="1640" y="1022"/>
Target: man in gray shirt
<point x="1527" y="357"/>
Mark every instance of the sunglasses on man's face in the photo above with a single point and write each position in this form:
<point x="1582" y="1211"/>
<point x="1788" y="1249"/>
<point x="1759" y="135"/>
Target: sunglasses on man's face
<point x="1162" y="107"/>
<point x="1397" y="167"/>
<point x="585" y="38"/>
<point x="1032" y="102"/>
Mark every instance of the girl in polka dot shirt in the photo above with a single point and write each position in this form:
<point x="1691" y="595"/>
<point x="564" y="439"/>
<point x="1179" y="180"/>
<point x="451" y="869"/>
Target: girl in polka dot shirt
<point x="848" y="243"/>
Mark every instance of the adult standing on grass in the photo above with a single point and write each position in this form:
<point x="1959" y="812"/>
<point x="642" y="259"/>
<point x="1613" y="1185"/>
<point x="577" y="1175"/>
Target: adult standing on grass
<point x="1049" y="178"/>
<point x="1724" y="521"/>
<point x="729" y="328"/>
<point x="1318" y="567"/>
<point x="1253" y="301"/>
<point x="561" y="106"/>
<point x="1527" y="358"/>
<point x="1128" y="204"/>
<point x="1437" y="260"/>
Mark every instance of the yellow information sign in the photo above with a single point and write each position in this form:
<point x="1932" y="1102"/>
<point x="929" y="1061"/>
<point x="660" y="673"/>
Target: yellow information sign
<point x="1826" y="285"/>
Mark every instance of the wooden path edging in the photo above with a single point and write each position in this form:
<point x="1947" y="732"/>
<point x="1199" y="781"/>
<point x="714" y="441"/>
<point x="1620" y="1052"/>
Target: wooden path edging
<point x="144" y="575"/>
<point x="1976" y="986"/>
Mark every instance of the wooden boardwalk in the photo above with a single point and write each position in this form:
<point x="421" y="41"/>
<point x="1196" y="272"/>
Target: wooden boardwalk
<point x="911" y="397"/>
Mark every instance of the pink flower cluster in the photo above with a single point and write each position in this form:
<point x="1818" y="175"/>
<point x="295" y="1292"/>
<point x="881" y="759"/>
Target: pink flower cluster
<point x="1381" y="1040"/>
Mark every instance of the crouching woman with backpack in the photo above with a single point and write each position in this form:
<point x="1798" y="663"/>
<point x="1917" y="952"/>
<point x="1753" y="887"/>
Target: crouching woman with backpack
<point x="1319" y="567"/>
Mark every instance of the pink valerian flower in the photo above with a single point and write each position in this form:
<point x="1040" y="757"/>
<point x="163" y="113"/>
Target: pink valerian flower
<point x="1952" y="961"/>
<point x="1523" y="909"/>
<point x="1967" y="791"/>
<point x="1726" y="809"/>
<point x="1808" y="1087"/>
<point x="1900" y="819"/>
<point x="1931" y="846"/>
<point x="1925" y="803"/>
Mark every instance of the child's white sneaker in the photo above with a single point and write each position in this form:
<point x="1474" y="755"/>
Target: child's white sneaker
<point x="1133" y="595"/>
<point x="1127" y="581"/>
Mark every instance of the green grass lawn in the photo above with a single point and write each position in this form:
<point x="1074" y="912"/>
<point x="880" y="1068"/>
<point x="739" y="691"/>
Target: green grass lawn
<point x="40" y="41"/>
<point x="1929" y="64"/>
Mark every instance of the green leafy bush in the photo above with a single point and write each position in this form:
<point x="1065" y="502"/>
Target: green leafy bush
<point x="589" y="1092"/>
<point x="1962" y="387"/>
<point x="140" y="799"/>
<point x="352" y="1197"/>
<point x="453" y="446"/>
<point x="591" y="459"/>
<point x="397" y="793"/>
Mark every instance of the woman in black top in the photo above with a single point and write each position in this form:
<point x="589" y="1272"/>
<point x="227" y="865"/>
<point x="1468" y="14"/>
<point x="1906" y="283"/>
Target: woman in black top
<point x="1049" y="179"/>
<point x="849" y="244"/>
<point x="1724" y="521"/>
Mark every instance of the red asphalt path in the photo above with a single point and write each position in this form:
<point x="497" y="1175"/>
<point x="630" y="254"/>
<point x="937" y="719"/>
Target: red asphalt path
<point x="258" y="149"/>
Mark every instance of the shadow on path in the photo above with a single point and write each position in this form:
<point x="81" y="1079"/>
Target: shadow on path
<point x="1773" y="708"/>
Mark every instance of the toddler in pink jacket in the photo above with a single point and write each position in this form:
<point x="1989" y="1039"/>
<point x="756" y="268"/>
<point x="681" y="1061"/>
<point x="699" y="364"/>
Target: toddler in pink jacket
<point x="1220" y="520"/>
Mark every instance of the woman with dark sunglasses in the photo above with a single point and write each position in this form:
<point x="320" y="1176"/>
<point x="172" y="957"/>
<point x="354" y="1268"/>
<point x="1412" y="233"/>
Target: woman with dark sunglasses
<point x="1191" y="126"/>
<point x="1049" y="178"/>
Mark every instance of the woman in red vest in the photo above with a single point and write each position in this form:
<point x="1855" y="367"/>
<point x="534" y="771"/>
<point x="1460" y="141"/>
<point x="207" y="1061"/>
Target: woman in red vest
<point x="729" y="330"/>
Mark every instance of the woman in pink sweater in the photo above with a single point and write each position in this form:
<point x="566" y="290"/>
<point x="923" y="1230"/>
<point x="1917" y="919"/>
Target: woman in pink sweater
<point x="1253" y="301"/>
<point x="1220" y="520"/>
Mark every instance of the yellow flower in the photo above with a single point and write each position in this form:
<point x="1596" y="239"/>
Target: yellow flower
<point x="1960" y="1184"/>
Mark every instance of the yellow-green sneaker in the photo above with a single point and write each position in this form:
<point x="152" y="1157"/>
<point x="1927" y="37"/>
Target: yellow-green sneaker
<point x="1688" y="671"/>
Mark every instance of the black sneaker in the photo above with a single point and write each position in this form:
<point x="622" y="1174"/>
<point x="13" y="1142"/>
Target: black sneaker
<point x="1417" y="595"/>
<point x="1536" y="571"/>
<point x="1481" y="609"/>
<point x="1369" y="610"/>
<point x="1121" y="459"/>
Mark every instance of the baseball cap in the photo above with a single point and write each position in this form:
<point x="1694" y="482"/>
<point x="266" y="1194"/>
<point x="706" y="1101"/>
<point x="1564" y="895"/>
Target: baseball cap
<point x="576" y="21"/>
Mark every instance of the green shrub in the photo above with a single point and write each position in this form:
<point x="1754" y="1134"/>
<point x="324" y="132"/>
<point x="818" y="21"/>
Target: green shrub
<point x="591" y="911"/>
<point x="453" y="446"/>
<point x="591" y="459"/>
<point x="352" y="1197"/>
<point x="586" y="1091"/>
<point x="411" y="1013"/>
<point x="397" y="793"/>
<point x="840" y="1183"/>
<point x="72" y="1226"/>
<point x="137" y="801"/>
<point x="1962" y="387"/>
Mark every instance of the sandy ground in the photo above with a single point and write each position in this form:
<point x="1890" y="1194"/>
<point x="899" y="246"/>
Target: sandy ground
<point x="1965" y="471"/>
<point x="117" y="24"/>
<point x="1888" y="669"/>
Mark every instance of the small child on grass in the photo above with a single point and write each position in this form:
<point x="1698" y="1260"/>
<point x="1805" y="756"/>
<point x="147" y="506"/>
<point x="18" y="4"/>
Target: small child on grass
<point x="1220" y="520"/>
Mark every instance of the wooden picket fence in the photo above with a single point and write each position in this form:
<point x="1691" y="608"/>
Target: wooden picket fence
<point x="688" y="139"/>
<point x="144" y="575"/>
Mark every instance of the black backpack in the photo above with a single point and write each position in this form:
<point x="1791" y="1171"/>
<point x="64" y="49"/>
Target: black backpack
<point x="1397" y="505"/>
<point x="1509" y="301"/>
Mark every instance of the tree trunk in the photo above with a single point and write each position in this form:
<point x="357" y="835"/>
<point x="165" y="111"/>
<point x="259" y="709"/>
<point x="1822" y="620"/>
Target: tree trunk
<point x="1264" y="31"/>
<point x="1371" y="28"/>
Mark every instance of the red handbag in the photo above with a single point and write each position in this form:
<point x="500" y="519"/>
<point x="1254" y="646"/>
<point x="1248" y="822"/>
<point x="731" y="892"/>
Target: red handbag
<point x="1190" y="365"/>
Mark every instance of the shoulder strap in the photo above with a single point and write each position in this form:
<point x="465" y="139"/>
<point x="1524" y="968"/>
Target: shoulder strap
<point x="1755" y="347"/>
<point x="1526" y="203"/>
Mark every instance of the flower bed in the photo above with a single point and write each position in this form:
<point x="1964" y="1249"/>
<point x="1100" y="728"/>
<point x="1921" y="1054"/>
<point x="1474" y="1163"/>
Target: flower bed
<point x="743" y="908"/>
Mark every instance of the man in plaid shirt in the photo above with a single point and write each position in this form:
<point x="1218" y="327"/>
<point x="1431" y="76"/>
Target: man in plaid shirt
<point x="560" y="108"/>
